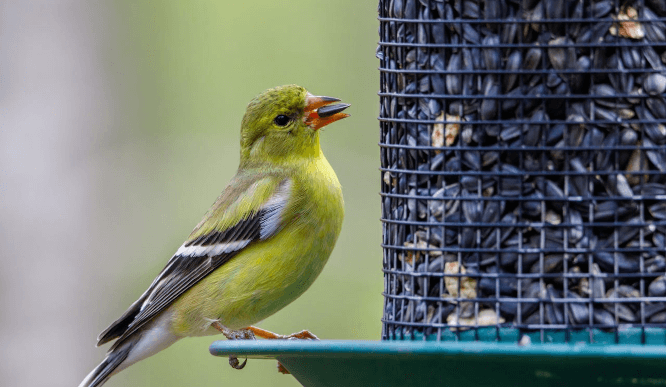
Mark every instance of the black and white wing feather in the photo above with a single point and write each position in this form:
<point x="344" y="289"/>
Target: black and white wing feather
<point x="200" y="256"/>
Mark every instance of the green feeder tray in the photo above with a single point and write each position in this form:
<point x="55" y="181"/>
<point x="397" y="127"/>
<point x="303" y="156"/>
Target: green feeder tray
<point x="473" y="363"/>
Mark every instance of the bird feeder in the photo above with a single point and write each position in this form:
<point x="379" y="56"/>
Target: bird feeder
<point x="523" y="178"/>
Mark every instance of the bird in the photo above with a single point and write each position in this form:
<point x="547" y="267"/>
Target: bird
<point x="260" y="245"/>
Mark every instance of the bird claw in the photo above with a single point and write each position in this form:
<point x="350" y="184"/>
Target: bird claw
<point x="264" y="334"/>
<point x="251" y="333"/>
<point x="235" y="364"/>
<point x="281" y="369"/>
<point x="302" y="335"/>
<point x="243" y="334"/>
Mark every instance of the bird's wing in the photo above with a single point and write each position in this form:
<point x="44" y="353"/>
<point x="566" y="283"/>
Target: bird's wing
<point x="250" y="209"/>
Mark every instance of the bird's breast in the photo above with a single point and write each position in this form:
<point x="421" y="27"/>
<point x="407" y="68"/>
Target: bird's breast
<point x="268" y="275"/>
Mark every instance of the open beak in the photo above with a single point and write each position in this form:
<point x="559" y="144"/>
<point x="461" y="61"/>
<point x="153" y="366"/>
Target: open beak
<point x="319" y="112"/>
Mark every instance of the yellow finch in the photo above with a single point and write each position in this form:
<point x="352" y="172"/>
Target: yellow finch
<point x="258" y="248"/>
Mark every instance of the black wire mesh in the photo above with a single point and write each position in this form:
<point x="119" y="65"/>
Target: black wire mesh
<point x="523" y="151"/>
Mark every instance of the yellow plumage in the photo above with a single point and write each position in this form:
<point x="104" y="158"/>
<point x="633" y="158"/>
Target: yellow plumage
<point x="268" y="275"/>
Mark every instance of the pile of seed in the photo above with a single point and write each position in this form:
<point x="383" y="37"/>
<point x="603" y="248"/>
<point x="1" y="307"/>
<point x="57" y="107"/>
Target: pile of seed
<point x="523" y="151"/>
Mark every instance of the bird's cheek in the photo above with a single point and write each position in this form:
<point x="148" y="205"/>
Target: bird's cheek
<point x="257" y="146"/>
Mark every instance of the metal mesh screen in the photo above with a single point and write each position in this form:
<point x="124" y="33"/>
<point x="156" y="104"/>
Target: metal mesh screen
<point x="523" y="154"/>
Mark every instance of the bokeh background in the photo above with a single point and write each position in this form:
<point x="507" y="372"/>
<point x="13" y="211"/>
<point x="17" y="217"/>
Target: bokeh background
<point x="119" y="126"/>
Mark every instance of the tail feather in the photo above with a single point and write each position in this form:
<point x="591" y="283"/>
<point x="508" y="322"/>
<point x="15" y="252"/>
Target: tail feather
<point x="101" y="373"/>
<point x="151" y="339"/>
<point x="118" y="327"/>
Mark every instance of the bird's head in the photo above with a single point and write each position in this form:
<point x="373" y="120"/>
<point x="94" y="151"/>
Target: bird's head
<point x="282" y="125"/>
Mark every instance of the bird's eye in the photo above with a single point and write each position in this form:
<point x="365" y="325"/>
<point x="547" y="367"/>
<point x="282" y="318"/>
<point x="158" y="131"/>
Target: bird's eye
<point x="281" y="120"/>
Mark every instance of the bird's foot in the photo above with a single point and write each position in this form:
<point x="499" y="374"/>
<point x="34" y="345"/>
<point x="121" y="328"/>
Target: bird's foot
<point x="264" y="334"/>
<point x="281" y="369"/>
<point x="235" y="364"/>
<point x="242" y="334"/>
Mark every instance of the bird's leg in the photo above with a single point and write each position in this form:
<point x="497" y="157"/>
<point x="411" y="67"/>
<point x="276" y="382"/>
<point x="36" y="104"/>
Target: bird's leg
<point x="243" y="334"/>
<point x="264" y="334"/>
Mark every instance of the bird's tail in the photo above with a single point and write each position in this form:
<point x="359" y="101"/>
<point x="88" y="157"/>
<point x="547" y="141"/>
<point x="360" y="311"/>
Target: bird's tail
<point x="151" y="339"/>
<point x="105" y="369"/>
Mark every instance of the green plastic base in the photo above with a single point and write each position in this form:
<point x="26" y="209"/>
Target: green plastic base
<point x="427" y="363"/>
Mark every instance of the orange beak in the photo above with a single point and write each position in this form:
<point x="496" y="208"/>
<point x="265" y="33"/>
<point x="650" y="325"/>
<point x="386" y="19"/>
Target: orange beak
<point x="319" y="112"/>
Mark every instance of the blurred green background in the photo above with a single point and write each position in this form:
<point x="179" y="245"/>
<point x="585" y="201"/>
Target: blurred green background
<point x="119" y="126"/>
